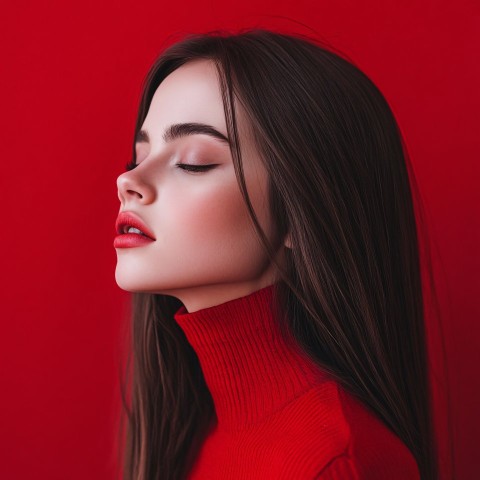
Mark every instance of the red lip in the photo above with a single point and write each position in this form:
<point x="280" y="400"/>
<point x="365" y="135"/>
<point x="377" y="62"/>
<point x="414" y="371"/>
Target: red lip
<point x="129" y="219"/>
<point x="129" y="240"/>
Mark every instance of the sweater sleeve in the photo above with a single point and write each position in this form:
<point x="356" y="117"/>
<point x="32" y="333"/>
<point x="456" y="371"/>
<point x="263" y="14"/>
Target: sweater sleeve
<point x="343" y="467"/>
<point x="339" y="468"/>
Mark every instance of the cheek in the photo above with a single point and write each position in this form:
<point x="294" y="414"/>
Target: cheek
<point x="207" y="218"/>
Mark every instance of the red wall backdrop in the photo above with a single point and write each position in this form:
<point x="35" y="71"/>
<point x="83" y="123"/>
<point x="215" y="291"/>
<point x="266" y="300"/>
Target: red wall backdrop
<point x="71" y="78"/>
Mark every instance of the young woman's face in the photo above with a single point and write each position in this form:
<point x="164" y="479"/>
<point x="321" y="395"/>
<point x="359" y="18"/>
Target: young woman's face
<point x="206" y="250"/>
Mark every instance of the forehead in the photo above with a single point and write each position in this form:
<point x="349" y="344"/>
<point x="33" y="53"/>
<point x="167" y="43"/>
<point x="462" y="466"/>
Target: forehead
<point x="191" y="93"/>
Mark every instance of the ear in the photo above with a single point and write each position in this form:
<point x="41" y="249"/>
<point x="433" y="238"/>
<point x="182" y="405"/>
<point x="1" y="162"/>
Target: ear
<point x="288" y="241"/>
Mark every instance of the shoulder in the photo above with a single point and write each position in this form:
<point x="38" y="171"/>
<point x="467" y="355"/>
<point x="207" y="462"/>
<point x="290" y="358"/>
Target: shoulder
<point x="328" y="434"/>
<point x="375" y="450"/>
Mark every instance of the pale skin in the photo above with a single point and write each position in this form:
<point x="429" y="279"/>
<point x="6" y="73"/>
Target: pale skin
<point x="206" y="250"/>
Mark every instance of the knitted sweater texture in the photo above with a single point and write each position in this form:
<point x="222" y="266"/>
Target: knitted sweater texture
<point x="278" y="415"/>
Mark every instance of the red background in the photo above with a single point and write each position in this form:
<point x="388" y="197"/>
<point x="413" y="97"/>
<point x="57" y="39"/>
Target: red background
<point x="71" y="79"/>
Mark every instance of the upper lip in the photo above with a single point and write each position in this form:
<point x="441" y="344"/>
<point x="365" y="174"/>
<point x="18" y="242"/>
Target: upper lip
<point x="130" y="219"/>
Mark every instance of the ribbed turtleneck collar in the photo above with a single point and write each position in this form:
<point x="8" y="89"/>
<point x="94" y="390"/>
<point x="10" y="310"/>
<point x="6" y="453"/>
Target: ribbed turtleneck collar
<point x="250" y="370"/>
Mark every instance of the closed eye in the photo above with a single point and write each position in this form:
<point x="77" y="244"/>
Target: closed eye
<point x="194" y="168"/>
<point x="184" y="166"/>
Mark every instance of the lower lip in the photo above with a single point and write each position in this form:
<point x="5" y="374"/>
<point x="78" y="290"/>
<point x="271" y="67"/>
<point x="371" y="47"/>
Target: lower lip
<point x="129" y="240"/>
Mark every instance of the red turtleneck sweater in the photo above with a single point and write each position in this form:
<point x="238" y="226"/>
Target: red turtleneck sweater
<point x="277" y="415"/>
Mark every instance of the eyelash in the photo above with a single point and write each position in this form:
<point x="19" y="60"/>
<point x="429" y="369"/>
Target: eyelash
<point x="194" y="168"/>
<point x="130" y="165"/>
<point x="184" y="166"/>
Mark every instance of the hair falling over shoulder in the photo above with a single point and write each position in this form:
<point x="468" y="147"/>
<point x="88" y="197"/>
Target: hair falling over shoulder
<point x="341" y="183"/>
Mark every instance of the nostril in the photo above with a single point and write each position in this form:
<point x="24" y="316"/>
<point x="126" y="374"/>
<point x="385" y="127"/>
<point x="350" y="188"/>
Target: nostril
<point x="134" y="192"/>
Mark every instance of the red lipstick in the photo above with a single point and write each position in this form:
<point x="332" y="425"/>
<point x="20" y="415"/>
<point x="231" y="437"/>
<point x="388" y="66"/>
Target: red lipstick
<point x="125" y="239"/>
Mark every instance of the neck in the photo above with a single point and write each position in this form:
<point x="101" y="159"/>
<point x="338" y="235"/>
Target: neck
<point x="251" y="370"/>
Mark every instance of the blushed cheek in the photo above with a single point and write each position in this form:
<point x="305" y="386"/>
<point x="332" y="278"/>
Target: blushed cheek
<point x="215" y="218"/>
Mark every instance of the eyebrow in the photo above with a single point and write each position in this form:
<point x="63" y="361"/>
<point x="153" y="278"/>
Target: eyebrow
<point x="178" y="130"/>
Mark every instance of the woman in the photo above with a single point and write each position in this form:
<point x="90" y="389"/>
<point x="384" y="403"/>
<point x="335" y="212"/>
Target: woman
<point x="267" y="229"/>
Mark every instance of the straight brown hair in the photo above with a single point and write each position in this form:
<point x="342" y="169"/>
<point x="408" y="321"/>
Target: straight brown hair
<point x="341" y="183"/>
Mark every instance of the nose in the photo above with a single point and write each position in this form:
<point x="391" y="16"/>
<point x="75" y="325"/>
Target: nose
<point x="131" y="188"/>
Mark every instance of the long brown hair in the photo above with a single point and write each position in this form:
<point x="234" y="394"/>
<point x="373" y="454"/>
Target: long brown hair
<point x="340" y="182"/>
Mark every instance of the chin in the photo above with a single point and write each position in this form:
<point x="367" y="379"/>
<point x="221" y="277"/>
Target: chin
<point x="128" y="282"/>
<point x="135" y="280"/>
